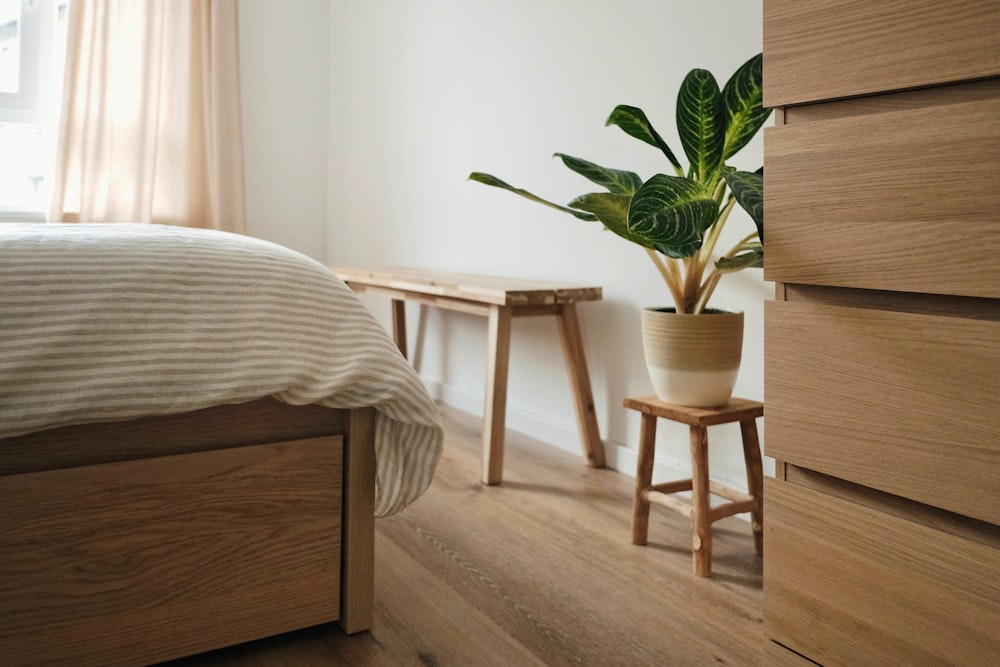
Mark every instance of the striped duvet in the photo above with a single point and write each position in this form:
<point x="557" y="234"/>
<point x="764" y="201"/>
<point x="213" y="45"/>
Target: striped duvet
<point x="103" y="322"/>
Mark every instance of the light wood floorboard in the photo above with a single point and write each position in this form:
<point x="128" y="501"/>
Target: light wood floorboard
<point x="537" y="571"/>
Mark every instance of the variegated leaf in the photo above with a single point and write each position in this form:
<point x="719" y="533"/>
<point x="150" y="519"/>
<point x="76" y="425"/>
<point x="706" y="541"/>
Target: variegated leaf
<point x="615" y="180"/>
<point x="748" y="189"/>
<point x="633" y="121"/>
<point x="487" y="179"/>
<point x="699" y="123"/>
<point x="747" y="260"/>
<point x="612" y="210"/>
<point x="672" y="213"/>
<point x="742" y="105"/>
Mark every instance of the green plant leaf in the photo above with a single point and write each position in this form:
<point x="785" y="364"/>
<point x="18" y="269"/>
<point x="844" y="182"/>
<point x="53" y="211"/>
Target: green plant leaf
<point x="672" y="213"/>
<point x="699" y="124"/>
<point x="742" y="105"/>
<point x="615" y="180"/>
<point x="748" y="189"/>
<point x="633" y="121"/>
<point x="612" y="210"/>
<point x="747" y="260"/>
<point x="487" y="179"/>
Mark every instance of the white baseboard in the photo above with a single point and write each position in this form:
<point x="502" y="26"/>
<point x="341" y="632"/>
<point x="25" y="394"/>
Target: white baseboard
<point x="561" y="435"/>
<point x="565" y="436"/>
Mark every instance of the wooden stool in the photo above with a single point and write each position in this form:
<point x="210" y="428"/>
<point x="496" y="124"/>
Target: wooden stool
<point x="702" y="514"/>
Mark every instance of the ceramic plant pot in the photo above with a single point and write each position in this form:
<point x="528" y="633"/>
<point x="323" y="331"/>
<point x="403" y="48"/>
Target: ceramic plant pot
<point x="692" y="359"/>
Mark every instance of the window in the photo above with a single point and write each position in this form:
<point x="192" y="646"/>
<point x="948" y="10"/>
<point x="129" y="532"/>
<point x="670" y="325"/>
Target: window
<point x="32" y="50"/>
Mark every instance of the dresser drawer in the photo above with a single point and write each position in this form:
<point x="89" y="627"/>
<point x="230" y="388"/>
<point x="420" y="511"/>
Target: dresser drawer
<point x="826" y="49"/>
<point x="845" y="584"/>
<point x="902" y="200"/>
<point x="899" y="402"/>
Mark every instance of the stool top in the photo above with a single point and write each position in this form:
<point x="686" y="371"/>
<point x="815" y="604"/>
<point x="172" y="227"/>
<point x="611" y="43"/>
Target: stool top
<point x="737" y="409"/>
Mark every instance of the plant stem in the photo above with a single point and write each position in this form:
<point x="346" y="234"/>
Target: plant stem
<point x="708" y="287"/>
<point x="668" y="271"/>
<point x="741" y="245"/>
<point x="716" y="229"/>
<point x="700" y="261"/>
<point x="692" y="278"/>
<point x="720" y="188"/>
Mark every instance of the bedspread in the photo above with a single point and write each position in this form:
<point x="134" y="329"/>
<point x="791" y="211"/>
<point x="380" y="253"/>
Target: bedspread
<point x="102" y="322"/>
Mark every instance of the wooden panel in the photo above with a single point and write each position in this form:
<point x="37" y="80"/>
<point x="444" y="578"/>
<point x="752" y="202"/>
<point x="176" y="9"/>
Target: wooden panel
<point x="218" y="427"/>
<point x="886" y="503"/>
<point x="825" y="49"/>
<point x="912" y="99"/>
<point x="913" y="210"/>
<point x="847" y="585"/>
<point x="901" y="402"/>
<point x="126" y="563"/>
<point x="907" y="302"/>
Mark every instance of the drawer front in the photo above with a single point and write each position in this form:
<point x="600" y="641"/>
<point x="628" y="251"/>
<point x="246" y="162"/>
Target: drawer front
<point x="826" y="49"/>
<point x="901" y="201"/>
<point x="848" y="585"/>
<point x="899" y="402"/>
<point x="93" y="557"/>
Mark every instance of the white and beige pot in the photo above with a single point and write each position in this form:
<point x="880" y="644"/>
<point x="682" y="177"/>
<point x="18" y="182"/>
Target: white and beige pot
<point x="692" y="359"/>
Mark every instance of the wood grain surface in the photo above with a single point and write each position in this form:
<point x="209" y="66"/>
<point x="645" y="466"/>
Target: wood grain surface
<point x="125" y="562"/>
<point x="497" y="290"/>
<point x="537" y="571"/>
<point x="893" y="201"/>
<point x="846" y="584"/>
<point x="901" y="402"/>
<point x="827" y="49"/>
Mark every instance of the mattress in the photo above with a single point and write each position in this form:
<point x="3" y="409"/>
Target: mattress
<point x="105" y="322"/>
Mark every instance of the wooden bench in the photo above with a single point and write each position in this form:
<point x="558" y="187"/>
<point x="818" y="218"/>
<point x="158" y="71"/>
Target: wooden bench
<point x="498" y="299"/>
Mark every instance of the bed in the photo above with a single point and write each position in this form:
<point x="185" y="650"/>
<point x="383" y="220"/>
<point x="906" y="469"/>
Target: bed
<point x="197" y="431"/>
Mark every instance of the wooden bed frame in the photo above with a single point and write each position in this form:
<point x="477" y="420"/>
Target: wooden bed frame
<point x="146" y="540"/>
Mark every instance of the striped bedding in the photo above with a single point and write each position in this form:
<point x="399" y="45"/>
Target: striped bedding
<point x="102" y="322"/>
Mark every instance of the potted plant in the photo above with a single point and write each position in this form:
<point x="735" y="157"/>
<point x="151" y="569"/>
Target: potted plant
<point x="678" y="219"/>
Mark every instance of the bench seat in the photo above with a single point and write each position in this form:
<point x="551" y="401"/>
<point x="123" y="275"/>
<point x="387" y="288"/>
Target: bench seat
<point x="499" y="299"/>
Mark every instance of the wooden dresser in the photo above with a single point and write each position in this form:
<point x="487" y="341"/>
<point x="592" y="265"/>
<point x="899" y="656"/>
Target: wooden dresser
<point x="882" y="372"/>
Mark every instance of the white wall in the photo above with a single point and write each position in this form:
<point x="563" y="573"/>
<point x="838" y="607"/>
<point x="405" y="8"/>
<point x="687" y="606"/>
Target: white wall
<point x="284" y="74"/>
<point x="421" y="92"/>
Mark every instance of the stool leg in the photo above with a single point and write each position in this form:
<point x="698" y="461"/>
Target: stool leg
<point x="643" y="478"/>
<point x="701" y="525"/>
<point x="495" y="409"/>
<point x="579" y="379"/>
<point x="755" y="480"/>
<point x="399" y="325"/>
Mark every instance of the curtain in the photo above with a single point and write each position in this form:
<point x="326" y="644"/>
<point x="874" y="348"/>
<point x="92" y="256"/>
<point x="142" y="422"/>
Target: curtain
<point x="150" y="129"/>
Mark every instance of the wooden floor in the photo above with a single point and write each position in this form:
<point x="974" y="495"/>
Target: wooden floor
<point x="538" y="571"/>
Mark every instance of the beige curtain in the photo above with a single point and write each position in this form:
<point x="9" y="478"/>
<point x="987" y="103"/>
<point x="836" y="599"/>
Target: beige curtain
<point x="150" y="128"/>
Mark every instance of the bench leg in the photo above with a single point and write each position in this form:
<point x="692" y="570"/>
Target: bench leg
<point x="495" y="409"/>
<point x="399" y="325"/>
<point x="576" y="362"/>
<point x="701" y="522"/>
<point x="755" y="480"/>
<point x="643" y="478"/>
